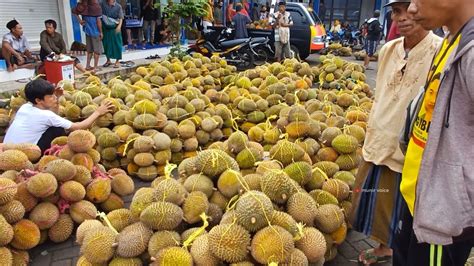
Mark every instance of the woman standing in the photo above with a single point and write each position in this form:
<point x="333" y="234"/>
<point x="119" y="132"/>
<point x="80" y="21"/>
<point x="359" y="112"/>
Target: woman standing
<point x="112" y="19"/>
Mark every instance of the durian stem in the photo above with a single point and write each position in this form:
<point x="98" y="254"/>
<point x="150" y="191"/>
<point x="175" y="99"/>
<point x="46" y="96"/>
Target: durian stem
<point x="198" y="232"/>
<point x="168" y="169"/>
<point x="104" y="218"/>
<point x="126" y="146"/>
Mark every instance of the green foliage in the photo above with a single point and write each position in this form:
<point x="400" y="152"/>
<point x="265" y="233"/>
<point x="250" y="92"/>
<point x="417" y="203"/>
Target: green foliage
<point x="177" y="51"/>
<point x="185" y="10"/>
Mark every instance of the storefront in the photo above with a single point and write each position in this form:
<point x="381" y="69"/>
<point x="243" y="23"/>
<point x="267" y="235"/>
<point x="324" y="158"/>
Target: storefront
<point x="352" y="11"/>
<point x="342" y="10"/>
<point x="31" y="14"/>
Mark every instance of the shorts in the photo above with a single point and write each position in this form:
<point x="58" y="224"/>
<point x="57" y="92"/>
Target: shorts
<point x="94" y="45"/>
<point x="371" y="47"/>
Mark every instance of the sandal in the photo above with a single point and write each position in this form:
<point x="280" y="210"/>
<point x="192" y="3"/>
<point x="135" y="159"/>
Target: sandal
<point x="156" y="56"/>
<point x="368" y="257"/>
<point x="127" y="63"/>
<point x="107" y="64"/>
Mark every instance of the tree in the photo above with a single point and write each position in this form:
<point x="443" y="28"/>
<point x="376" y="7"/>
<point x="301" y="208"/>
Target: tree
<point x="183" y="11"/>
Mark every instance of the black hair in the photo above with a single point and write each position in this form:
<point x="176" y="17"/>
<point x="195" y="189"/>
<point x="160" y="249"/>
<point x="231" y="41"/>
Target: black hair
<point x="52" y="22"/>
<point x="238" y="8"/>
<point x="37" y="89"/>
<point x="12" y="24"/>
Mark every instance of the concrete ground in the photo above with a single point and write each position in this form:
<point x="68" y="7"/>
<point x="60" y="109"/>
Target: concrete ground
<point x="12" y="81"/>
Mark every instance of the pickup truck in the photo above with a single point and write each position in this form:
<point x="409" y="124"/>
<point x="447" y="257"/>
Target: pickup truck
<point x="307" y="35"/>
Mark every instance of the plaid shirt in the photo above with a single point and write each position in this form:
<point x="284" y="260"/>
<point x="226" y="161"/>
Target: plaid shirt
<point x="285" y="19"/>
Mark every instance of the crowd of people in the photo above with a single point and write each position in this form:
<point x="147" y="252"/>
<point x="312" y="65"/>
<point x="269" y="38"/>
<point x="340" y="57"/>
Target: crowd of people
<point x="104" y="26"/>
<point x="215" y="15"/>
<point x="155" y="28"/>
<point x="414" y="193"/>
<point x="102" y="23"/>
<point x="240" y="15"/>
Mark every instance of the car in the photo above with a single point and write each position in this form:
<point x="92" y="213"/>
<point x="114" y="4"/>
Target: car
<point x="307" y="35"/>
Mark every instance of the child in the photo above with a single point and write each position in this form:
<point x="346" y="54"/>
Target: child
<point x="263" y="13"/>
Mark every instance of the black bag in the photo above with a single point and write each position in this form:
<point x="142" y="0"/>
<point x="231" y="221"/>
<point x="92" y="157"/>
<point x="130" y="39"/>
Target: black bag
<point x="374" y="28"/>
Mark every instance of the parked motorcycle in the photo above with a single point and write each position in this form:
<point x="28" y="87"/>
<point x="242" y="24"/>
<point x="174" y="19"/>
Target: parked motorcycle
<point x="243" y="53"/>
<point x="262" y="50"/>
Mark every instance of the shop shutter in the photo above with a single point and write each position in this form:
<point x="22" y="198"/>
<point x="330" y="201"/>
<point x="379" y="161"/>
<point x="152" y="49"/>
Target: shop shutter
<point x="31" y="14"/>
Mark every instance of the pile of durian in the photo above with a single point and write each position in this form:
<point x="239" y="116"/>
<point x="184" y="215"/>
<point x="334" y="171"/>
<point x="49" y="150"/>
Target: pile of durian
<point x="43" y="197"/>
<point x="360" y="55"/>
<point x="265" y="161"/>
<point x="337" y="49"/>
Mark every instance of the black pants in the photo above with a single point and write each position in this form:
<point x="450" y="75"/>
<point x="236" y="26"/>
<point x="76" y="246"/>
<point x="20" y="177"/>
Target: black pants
<point x="48" y="136"/>
<point x="408" y="252"/>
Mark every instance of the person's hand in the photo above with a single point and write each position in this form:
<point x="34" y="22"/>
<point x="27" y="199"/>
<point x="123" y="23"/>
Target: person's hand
<point x="82" y="22"/>
<point x="101" y="36"/>
<point x="59" y="91"/>
<point x="20" y="58"/>
<point x="105" y="107"/>
<point x="118" y="29"/>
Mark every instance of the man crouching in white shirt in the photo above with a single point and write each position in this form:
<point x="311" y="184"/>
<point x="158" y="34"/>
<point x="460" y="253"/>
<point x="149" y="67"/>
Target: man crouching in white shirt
<point x="37" y="122"/>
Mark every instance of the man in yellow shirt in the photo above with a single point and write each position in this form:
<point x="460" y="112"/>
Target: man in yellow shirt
<point x="437" y="219"/>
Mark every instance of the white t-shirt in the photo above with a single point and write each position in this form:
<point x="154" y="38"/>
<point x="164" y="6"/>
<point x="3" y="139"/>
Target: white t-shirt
<point x="30" y="123"/>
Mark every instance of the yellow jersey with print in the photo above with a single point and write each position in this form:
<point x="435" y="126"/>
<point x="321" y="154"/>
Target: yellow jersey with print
<point x="422" y="124"/>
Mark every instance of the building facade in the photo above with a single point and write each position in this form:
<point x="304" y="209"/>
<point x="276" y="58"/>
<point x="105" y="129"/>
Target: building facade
<point x="32" y="14"/>
<point x="352" y="11"/>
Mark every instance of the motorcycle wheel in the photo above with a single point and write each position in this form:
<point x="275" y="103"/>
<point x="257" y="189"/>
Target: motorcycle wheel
<point x="263" y="55"/>
<point x="247" y="59"/>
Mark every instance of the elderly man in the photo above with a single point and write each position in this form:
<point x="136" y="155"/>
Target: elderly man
<point x="15" y="48"/>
